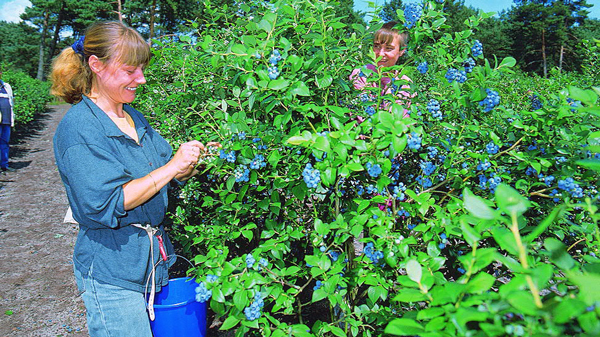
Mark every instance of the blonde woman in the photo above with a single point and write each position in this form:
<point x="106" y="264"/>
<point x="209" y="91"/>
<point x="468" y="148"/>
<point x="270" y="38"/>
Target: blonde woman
<point x="116" y="170"/>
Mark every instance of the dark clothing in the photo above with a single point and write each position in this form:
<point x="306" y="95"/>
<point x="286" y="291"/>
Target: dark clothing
<point x="95" y="159"/>
<point x="5" y="106"/>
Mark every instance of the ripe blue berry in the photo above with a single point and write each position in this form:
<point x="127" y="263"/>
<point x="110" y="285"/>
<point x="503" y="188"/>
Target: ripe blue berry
<point x="423" y="67"/>
<point x="477" y="48"/>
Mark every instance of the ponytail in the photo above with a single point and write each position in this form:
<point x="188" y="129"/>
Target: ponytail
<point x="71" y="76"/>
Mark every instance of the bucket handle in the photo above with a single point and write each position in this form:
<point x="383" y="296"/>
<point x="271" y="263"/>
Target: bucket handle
<point x="150" y="304"/>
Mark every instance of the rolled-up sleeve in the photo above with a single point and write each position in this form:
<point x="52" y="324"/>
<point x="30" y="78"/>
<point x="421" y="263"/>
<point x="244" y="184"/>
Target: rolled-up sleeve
<point x="95" y="180"/>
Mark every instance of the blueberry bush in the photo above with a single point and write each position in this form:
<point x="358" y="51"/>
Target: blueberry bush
<point x="31" y="95"/>
<point x="327" y="212"/>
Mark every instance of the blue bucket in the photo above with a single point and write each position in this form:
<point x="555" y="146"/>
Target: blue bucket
<point x="177" y="312"/>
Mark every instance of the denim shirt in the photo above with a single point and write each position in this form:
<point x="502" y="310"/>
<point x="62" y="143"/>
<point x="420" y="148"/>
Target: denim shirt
<point x="95" y="159"/>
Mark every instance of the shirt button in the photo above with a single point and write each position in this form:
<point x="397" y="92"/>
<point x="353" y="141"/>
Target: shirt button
<point x="150" y="164"/>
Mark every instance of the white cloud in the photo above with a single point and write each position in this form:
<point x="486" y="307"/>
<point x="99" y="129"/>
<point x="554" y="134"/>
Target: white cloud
<point x="11" y="9"/>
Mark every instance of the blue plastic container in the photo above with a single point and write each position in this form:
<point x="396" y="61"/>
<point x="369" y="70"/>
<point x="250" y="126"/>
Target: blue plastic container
<point x="176" y="311"/>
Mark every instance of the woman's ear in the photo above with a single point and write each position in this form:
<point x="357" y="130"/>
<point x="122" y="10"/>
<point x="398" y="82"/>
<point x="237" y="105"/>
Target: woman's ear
<point x="95" y="64"/>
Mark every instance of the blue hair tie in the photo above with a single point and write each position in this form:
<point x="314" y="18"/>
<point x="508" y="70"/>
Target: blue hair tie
<point x="78" y="46"/>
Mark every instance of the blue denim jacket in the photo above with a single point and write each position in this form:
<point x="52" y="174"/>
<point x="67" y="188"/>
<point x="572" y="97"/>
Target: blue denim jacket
<point x="95" y="159"/>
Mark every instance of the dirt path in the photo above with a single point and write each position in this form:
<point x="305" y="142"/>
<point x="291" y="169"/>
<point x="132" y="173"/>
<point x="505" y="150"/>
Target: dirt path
<point x="38" y="294"/>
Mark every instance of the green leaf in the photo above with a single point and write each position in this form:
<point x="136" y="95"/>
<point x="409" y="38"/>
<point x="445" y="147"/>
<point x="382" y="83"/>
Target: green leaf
<point x="324" y="81"/>
<point x="568" y="309"/>
<point x="403" y="327"/>
<point x="8" y="312"/>
<point x="414" y="270"/>
<point x="318" y="295"/>
<point x="297" y="140"/>
<point x="299" y="88"/>
<point x="508" y="62"/>
<point x="278" y="84"/>
<point x="523" y="301"/>
<point x="505" y="239"/>
<point x="558" y="254"/>
<point x="587" y="97"/>
<point x="592" y="164"/>
<point x="480" y="283"/>
<point x="510" y="201"/>
<point x="476" y="206"/>
<point x="469" y="234"/>
<point x="230" y="322"/>
<point x="410" y="295"/>
<point x="539" y="229"/>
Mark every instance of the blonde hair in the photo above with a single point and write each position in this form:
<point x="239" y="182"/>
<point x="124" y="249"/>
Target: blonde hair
<point x="388" y="32"/>
<point x="110" y="41"/>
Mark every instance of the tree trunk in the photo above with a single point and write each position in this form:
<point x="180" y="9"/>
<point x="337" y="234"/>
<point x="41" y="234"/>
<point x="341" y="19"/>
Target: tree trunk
<point x="152" y="14"/>
<point x="560" y="59"/>
<point x="54" y="42"/>
<point x="544" y="53"/>
<point x="120" y="11"/>
<point x="40" y="72"/>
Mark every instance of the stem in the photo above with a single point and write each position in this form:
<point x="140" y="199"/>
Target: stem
<point x="514" y="228"/>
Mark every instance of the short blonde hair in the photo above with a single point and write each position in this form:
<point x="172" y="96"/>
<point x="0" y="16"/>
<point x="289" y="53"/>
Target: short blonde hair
<point x="111" y="42"/>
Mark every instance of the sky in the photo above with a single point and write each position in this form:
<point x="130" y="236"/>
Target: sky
<point x="10" y="9"/>
<point x="485" y="5"/>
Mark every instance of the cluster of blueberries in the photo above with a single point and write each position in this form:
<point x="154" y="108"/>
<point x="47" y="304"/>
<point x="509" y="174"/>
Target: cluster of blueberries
<point x="434" y="108"/>
<point x="477" y="48"/>
<point x="490" y="101"/>
<point x="459" y="76"/>
<point x="273" y="60"/>
<point x="536" y="104"/>
<point x="202" y="294"/>
<point x="412" y="14"/>
<point x="373" y="170"/>
<point x="414" y="141"/>
<point x="423" y="67"/>
<point x="374" y="255"/>
<point x="253" y="312"/>
<point x="311" y="176"/>
<point x="492" y="148"/>
<point x="241" y="174"/>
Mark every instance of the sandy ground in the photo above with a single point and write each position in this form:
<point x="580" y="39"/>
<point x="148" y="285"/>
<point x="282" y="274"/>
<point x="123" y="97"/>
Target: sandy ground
<point x="38" y="295"/>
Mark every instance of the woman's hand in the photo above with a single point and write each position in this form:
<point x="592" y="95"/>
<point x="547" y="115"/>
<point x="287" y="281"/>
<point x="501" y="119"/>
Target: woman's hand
<point x="187" y="157"/>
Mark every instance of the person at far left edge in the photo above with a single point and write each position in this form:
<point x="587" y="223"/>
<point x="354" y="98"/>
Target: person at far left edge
<point x="7" y="121"/>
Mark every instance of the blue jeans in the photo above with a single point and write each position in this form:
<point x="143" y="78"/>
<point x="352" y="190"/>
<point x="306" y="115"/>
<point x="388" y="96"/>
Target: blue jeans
<point x="4" y="139"/>
<point x="113" y="311"/>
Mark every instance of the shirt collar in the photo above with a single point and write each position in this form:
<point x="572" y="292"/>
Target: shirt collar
<point x="110" y="128"/>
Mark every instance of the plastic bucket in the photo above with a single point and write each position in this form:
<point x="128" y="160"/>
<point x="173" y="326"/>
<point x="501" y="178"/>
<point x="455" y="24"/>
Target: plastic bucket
<point x="177" y="313"/>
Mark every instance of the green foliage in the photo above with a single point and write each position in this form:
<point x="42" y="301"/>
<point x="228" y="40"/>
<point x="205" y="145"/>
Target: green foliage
<point x="31" y="95"/>
<point x="19" y="46"/>
<point x="415" y="226"/>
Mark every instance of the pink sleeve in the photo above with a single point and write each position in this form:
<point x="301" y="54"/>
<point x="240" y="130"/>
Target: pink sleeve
<point x="360" y="82"/>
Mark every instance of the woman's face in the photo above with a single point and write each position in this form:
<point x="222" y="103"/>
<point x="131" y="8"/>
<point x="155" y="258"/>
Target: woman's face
<point x="118" y="83"/>
<point x="389" y="52"/>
